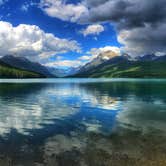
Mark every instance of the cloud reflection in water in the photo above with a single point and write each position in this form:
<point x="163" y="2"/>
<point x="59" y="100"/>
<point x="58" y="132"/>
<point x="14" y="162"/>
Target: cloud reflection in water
<point x="26" y="107"/>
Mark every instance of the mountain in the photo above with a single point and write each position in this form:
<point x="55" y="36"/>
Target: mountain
<point x="148" y="66"/>
<point x="148" y="57"/>
<point x="7" y="71"/>
<point x="99" y="59"/>
<point x="25" y="64"/>
<point x="62" y="72"/>
<point x="161" y="58"/>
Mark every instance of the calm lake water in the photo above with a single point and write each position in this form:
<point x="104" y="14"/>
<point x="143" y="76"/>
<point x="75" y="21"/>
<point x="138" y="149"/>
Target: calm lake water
<point x="83" y="122"/>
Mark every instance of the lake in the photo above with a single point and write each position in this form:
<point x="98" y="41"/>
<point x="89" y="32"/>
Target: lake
<point x="83" y="122"/>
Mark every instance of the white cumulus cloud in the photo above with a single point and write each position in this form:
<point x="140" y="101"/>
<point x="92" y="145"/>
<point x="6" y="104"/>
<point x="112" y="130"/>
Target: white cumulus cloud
<point x="65" y="63"/>
<point x="60" y="9"/>
<point x="60" y="63"/>
<point x="85" y="58"/>
<point x="94" y="29"/>
<point x="31" y="41"/>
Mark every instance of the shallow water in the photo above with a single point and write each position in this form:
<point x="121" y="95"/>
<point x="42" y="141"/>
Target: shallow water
<point x="83" y="122"/>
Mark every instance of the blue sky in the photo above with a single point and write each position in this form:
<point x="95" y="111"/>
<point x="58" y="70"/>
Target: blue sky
<point x="84" y="24"/>
<point x="13" y="12"/>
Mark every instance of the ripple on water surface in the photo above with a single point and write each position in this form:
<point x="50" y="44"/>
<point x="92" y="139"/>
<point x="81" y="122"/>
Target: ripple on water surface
<point x="83" y="122"/>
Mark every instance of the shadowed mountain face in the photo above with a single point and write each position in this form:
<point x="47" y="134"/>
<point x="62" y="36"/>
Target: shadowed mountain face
<point x="124" y="66"/>
<point x="8" y="71"/>
<point x="25" y="64"/>
<point x="150" y="57"/>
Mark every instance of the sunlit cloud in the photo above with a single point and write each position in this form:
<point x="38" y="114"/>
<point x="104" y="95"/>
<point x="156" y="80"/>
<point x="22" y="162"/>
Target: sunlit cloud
<point x="60" y="9"/>
<point x="32" y="42"/>
<point x="95" y="29"/>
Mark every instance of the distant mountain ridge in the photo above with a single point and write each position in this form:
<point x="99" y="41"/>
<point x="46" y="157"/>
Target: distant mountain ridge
<point x="25" y="64"/>
<point x="106" y="64"/>
<point x="62" y="72"/>
<point x="148" y="57"/>
<point x="147" y="66"/>
<point x="7" y="71"/>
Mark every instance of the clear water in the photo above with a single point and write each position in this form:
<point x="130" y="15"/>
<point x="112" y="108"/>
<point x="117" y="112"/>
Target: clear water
<point x="80" y="121"/>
